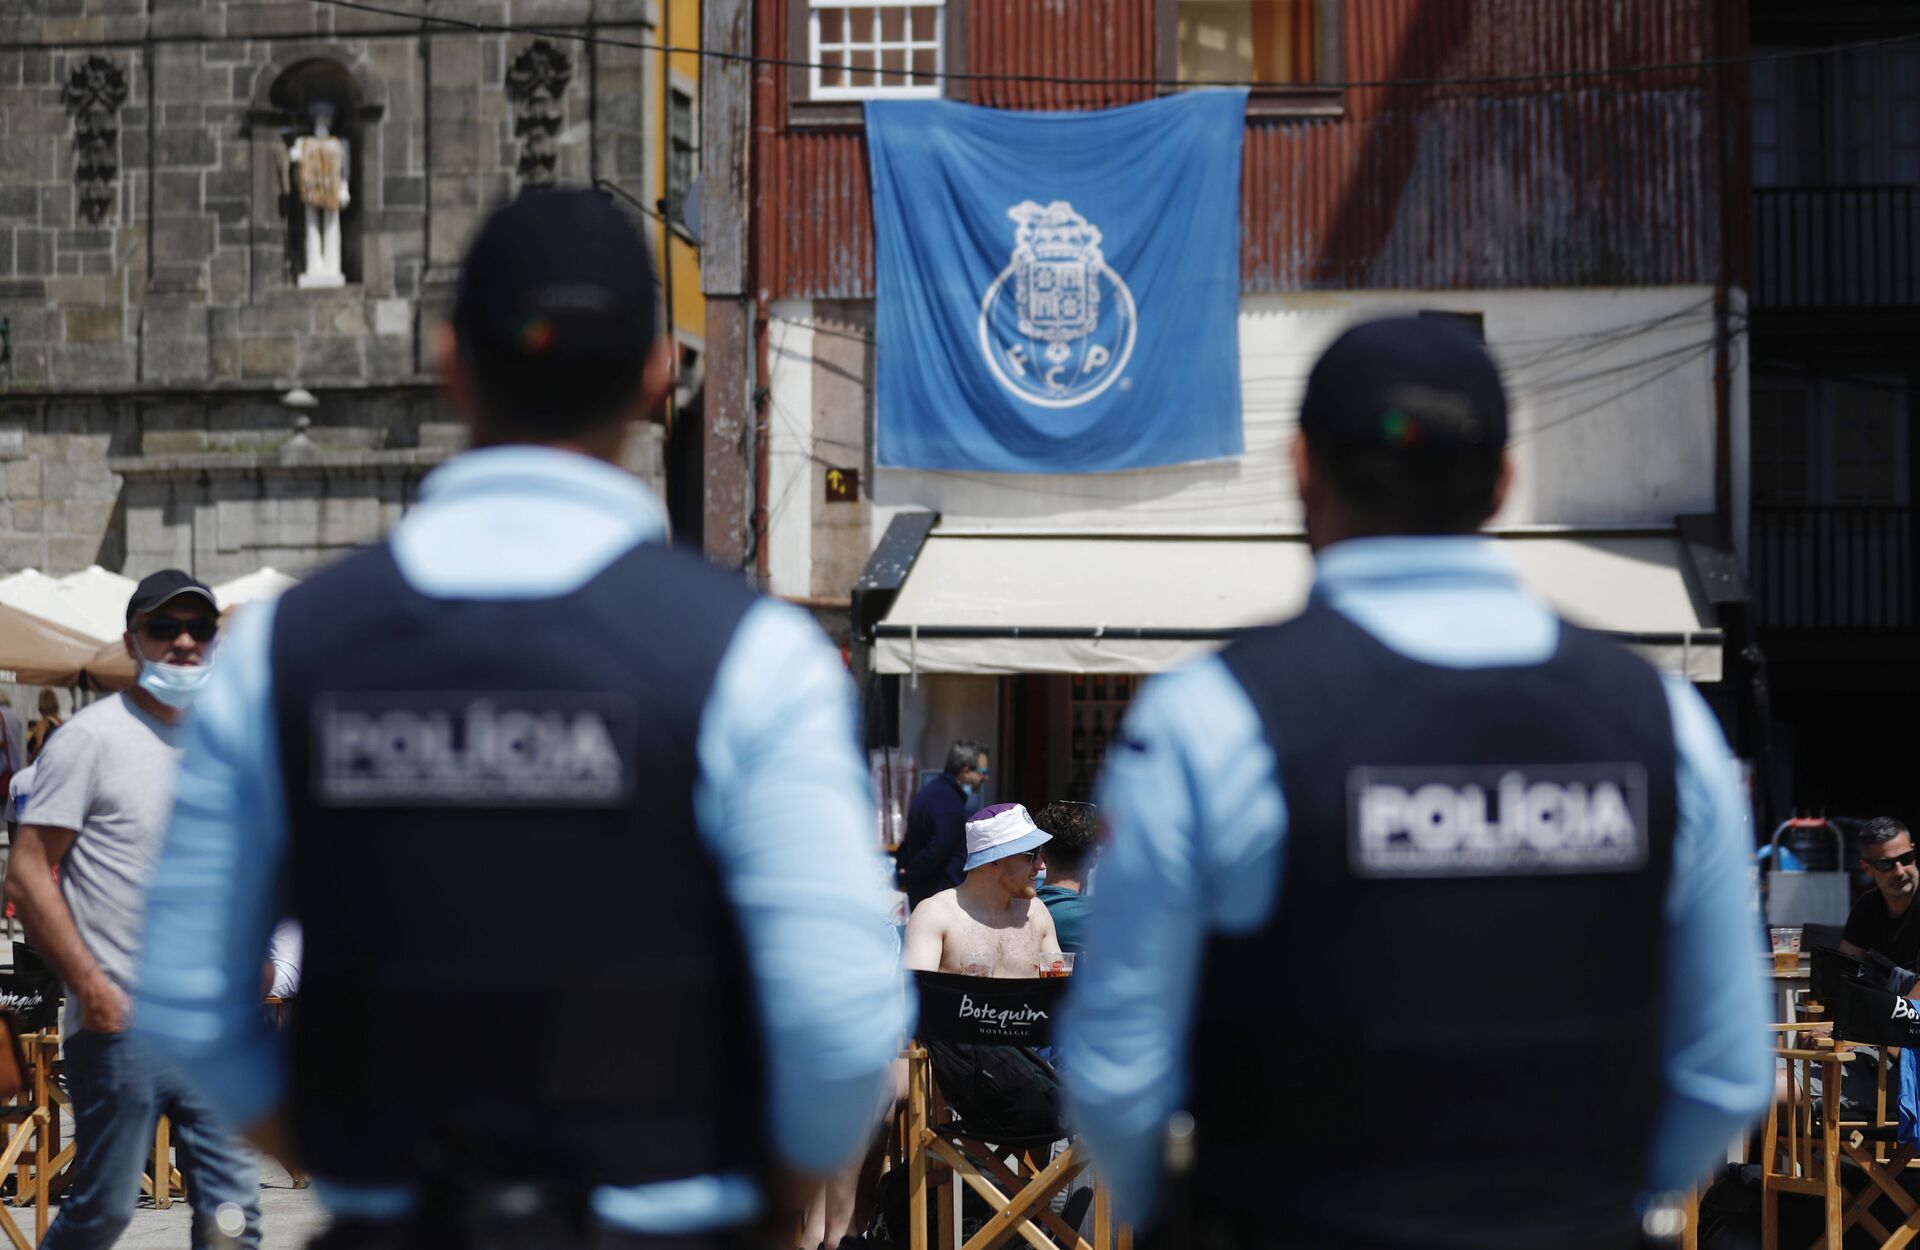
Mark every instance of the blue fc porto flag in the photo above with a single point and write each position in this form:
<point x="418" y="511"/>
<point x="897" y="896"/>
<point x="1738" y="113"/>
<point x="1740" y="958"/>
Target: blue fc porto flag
<point x="1057" y="292"/>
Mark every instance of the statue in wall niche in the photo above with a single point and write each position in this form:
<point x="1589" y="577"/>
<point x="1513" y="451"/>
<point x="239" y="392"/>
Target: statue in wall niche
<point x="94" y="94"/>
<point x="320" y="161"/>
<point x="536" y="82"/>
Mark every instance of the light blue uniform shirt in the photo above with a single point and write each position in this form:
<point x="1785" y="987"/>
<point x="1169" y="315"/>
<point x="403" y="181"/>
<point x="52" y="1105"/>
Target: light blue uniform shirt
<point x="1198" y="822"/>
<point x="782" y="802"/>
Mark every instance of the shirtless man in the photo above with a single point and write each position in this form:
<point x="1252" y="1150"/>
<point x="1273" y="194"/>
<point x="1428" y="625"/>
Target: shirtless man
<point x="994" y="917"/>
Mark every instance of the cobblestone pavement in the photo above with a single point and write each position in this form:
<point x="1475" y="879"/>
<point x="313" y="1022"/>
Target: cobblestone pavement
<point x="290" y="1218"/>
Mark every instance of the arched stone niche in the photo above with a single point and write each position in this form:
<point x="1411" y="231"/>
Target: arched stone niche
<point x="300" y="80"/>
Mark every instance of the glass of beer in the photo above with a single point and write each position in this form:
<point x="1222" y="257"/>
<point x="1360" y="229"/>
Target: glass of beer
<point x="976" y="964"/>
<point x="1786" y="948"/>
<point x="1056" y="964"/>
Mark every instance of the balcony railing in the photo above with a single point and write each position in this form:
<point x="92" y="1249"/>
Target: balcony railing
<point x="1836" y="247"/>
<point x="1833" y="568"/>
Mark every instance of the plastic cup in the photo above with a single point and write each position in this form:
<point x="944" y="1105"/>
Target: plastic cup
<point x="1786" y="948"/>
<point x="1056" y="964"/>
<point x="976" y="964"/>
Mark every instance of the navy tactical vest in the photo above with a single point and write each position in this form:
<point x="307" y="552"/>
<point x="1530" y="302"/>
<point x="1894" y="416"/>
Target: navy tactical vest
<point x="1447" y="1034"/>
<point x="519" y="959"/>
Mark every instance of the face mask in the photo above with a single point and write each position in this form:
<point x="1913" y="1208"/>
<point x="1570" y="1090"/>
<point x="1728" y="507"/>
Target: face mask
<point x="967" y="790"/>
<point x="175" y="685"/>
<point x="1040" y="874"/>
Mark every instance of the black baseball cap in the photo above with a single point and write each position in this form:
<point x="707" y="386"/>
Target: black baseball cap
<point x="156" y="588"/>
<point x="1413" y="382"/>
<point x="558" y="276"/>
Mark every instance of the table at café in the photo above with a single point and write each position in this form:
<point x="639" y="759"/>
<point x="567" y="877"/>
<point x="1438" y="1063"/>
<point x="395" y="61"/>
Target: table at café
<point x="1787" y="983"/>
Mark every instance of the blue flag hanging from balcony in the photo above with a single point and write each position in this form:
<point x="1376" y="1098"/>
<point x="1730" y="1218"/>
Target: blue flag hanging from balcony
<point x="1057" y="292"/>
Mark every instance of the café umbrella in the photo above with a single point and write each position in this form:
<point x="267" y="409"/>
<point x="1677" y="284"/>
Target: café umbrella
<point x="37" y="652"/>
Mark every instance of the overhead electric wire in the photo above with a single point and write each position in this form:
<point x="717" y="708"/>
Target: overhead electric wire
<point x="748" y="58"/>
<point x="419" y="22"/>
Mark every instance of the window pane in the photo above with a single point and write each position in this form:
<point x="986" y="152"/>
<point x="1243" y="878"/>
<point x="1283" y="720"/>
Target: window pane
<point x="1905" y="72"/>
<point x="1268" y="41"/>
<point x="1780" y="448"/>
<point x="1864" y="471"/>
<point x="876" y="48"/>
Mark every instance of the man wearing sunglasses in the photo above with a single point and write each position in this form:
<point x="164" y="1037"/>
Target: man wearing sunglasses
<point x="1884" y="919"/>
<point x="98" y="809"/>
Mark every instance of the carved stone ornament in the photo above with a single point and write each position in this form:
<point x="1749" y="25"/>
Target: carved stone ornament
<point x="536" y="81"/>
<point x="94" y="94"/>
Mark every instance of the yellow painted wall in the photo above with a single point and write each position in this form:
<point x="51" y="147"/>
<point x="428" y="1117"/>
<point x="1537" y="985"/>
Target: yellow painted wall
<point x="689" y="308"/>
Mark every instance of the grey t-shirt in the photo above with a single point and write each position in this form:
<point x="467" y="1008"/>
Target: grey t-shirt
<point x="108" y="775"/>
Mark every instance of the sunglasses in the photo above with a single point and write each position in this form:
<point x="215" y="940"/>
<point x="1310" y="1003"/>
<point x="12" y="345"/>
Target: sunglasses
<point x="1892" y="861"/>
<point x="167" y="628"/>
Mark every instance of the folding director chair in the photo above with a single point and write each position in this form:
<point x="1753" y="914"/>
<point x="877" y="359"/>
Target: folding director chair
<point x="942" y="1147"/>
<point x="1816" y="1146"/>
<point x="33" y="1115"/>
<point x="1867" y="1015"/>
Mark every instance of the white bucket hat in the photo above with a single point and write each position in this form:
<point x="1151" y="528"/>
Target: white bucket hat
<point x="999" y="831"/>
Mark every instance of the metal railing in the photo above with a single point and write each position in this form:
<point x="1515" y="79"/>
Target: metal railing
<point x="1833" y="568"/>
<point x="1836" y="247"/>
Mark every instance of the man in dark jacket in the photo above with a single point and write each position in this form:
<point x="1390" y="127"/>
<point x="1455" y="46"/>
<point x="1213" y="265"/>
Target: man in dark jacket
<point x="935" y="848"/>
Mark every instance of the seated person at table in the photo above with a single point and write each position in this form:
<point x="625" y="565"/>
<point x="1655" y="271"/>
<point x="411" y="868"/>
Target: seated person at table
<point x="993" y="919"/>
<point x="1067" y="857"/>
<point x="1884" y="919"/>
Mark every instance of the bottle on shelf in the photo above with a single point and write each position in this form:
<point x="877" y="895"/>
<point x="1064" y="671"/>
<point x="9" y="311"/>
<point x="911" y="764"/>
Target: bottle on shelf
<point x="1079" y="685"/>
<point x="1079" y="736"/>
<point x="1099" y="736"/>
<point x="1122" y="687"/>
<point x="1099" y="686"/>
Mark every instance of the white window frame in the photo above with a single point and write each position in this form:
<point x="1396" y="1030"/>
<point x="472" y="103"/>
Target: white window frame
<point x="688" y="88"/>
<point x="924" y="91"/>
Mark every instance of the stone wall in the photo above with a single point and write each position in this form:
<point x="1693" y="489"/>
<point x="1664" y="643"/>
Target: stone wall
<point x="149" y="256"/>
<point x="222" y="484"/>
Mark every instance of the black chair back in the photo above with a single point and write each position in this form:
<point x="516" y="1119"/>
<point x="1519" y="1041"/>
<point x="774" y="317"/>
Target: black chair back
<point x="31" y="994"/>
<point x="988" y="1011"/>
<point x="1870" y="1016"/>
<point x="1827" y="968"/>
<point x="1827" y="935"/>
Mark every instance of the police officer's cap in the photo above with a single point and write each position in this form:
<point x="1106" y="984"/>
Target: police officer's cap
<point x="1412" y="382"/>
<point x="558" y="276"/>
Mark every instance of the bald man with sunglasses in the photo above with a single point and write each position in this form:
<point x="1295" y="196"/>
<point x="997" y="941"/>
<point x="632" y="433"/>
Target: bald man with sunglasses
<point x="103" y="790"/>
<point x="1884" y="919"/>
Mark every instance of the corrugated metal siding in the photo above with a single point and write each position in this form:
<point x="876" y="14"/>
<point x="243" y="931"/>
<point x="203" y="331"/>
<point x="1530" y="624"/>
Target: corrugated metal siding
<point x="1598" y="182"/>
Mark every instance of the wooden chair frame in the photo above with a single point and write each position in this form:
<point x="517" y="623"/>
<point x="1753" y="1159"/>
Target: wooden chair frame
<point x="1019" y="1195"/>
<point x="1807" y="1149"/>
<point x="38" y="1113"/>
<point x="1800" y="1155"/>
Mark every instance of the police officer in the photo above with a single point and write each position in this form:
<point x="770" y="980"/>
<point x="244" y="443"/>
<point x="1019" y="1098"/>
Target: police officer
<point x="575" y="824"/>
<point x="1429" y="908"/>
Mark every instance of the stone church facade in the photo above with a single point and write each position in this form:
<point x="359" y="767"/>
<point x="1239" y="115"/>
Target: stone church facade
<point x="170" y="393"/>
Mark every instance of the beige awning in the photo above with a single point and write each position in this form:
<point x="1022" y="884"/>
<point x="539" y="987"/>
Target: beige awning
<point x="997" y="603"/>
<point x="38" y="652"/>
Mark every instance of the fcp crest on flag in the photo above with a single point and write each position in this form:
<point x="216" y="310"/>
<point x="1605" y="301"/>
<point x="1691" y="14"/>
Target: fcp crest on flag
<point x="1068" y="331"/>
